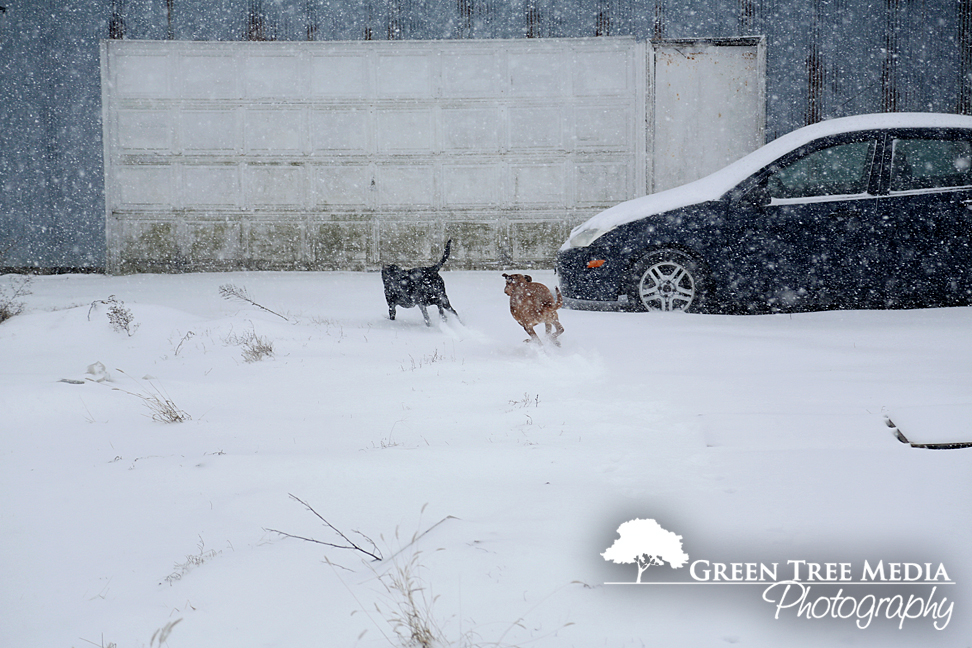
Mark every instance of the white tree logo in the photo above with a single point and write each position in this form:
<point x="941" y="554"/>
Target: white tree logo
<point x="646" y="543"/>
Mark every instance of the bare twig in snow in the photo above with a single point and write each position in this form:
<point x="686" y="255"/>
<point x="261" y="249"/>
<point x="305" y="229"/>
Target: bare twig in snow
<point x="374" y="554"/>
<point x="111" y="644"/>
<point x="229" y="291"/>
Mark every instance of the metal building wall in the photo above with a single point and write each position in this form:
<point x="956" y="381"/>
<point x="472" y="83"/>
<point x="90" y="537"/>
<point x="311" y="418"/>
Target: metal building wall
<point x="51" y="188"/>
<point x="825" y="59"/>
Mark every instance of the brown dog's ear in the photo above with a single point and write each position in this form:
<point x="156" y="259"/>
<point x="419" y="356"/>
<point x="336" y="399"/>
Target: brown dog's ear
<point x="506" y="276"/>
<point x="528" y="278"/>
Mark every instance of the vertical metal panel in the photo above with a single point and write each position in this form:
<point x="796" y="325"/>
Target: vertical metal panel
<point x="659" y="19"/>
<point x="964" y="103"/>
<point x="815" y="67"/>
<point x="889" y="66"/>
<point x="50" y="158"/>
<point x="749" y="17"/>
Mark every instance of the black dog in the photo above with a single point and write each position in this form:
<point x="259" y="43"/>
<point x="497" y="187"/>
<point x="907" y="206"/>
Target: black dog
<point x="417" y="287"/>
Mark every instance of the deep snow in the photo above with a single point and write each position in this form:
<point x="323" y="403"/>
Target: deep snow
<point x="757" y="439"/>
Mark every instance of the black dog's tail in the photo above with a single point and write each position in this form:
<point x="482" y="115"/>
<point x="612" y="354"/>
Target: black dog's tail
<point x="445" y="255"/>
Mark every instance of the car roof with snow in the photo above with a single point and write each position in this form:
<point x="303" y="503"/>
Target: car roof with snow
<point x="716" y="185"/>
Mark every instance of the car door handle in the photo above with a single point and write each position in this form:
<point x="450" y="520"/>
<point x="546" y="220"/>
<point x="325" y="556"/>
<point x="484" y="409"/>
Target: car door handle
<point x="845" y="214"/>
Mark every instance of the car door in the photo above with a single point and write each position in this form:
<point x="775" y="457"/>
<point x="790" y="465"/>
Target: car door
<point x="928" y="202"/>
<point x="808" y="229"/>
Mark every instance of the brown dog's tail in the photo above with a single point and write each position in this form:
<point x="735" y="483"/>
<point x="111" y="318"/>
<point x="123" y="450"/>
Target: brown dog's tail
<point x="560" y="298"/>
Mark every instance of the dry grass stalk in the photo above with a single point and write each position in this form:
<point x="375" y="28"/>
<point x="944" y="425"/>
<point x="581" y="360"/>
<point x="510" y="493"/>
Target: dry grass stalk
<point x="120" y="318"/>
<point x="162" y="408"/>
<point x="255" y="347"/>
<point x="11" y="303"/>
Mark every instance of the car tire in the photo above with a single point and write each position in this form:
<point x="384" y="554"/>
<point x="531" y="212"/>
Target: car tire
<point x="667" y="280"/>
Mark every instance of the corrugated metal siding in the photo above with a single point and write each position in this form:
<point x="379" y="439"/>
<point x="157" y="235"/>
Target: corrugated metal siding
<point x="825" y="59"/>
<point x="964" y="103"/>
<point x="51" y="189"/>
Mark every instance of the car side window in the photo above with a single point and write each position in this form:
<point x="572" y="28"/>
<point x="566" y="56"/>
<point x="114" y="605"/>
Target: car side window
<point x="930" y="164"/>
<point x="842" y="169"/>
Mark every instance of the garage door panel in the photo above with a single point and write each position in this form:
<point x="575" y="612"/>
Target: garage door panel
<point x="544" y="184"/>
<point x="272" y="77"/>
<point x="537" y="73"/>
<point x="340" y="77"/>
<point x="405" y="131"/>
<point x="144" y="186"/>
<point x="537" y="128"/>
<point x="273" y="131"/>
<point x="276" y="185"/>
<point x="473" y="75"/>
<point x="211" y="186"/>
<point x="472" y="185"/>
<point x="409" y="243"/>
<point x="597" y="182"/>
<point x="141" y="75"/>
<point x="406" y="185"/>
<point x="211" y="131"/>
<point x="471" y="129"/>
<point x="603" y="127"/>
<point x="340" y="131"/>
<point x="144" y="130"/>
<point x="405" y="76"/>
<point x="342" y="185"/>
<point x="602" y="73"/>
<point x="209" y="76"/>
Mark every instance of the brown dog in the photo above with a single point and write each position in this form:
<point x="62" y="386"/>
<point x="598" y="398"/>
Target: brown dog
<point x="531" y="303"/>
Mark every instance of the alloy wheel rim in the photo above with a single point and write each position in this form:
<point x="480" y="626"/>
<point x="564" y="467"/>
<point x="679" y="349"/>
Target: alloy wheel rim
<point x="667" y="286"/>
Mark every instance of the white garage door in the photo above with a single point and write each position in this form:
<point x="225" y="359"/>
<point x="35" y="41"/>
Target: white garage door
<point x="709" y="106"/>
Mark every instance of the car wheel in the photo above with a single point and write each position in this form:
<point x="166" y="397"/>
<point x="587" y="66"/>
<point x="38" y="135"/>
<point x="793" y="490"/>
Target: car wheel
<point x="668" y="280"/>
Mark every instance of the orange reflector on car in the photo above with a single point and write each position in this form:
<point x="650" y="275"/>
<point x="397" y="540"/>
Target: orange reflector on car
<point x="596" y="263"/>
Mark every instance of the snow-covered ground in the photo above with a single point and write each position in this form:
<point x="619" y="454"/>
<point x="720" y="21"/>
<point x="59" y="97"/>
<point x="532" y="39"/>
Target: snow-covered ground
<point x="496" y="471"/>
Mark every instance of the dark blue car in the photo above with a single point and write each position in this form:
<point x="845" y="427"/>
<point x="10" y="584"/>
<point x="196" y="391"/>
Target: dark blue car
<point x="873" y="211"/>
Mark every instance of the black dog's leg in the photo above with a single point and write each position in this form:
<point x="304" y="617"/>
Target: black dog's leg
<point x="444" y="303"/>
<point x="391" y="311"/>
<point x="447" y="307"/>
<point x="425" y="314"/>
<point x="452" y="310"/>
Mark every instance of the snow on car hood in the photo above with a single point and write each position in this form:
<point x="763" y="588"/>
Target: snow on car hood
<point x="714" y="186"/>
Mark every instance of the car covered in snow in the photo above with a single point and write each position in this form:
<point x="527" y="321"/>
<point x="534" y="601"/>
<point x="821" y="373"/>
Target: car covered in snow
<point x="871" y="211"/>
